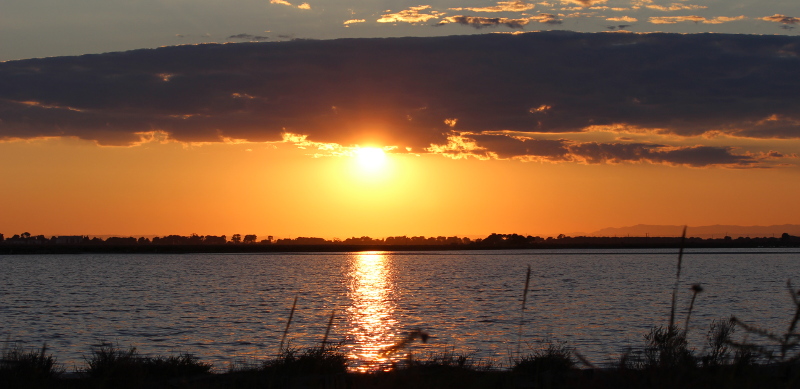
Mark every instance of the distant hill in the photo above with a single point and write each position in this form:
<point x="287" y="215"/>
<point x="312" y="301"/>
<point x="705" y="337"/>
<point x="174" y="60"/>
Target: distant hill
<point x="705" y="232"/>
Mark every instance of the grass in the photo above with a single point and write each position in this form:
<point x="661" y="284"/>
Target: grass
<point x="28" y="368"/>
<point x="316" y="360"/>
<point x="111" y="366"/>
<point x="663" y="360"/>
<point x="550" y="367"/>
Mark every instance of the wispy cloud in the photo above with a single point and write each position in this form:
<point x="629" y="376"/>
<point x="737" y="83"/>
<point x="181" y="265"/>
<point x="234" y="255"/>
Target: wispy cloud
<point x="411" y="15"/>
<point x="417" y="92"/>
<point x="584" y="3"/>
<point x="623" y="19"/>
<point x="502" y="6"/>
<point x="546" y="18"/>
<point x="694" y="18"/>
<point x="305" y="6"/>
<point x="675" y="7"/>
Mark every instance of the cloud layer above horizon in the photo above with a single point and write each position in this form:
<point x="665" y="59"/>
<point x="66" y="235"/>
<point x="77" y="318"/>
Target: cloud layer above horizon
<point x="42" y="28"/>
<point x="523" y="96"/>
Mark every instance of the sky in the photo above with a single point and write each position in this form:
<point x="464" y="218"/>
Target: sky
<point x="340" y="119"/>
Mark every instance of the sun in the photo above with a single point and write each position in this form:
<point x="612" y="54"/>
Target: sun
<point x="370" y="158"/>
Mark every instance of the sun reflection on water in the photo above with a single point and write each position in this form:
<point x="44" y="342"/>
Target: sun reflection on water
<point x="371" y="315"/>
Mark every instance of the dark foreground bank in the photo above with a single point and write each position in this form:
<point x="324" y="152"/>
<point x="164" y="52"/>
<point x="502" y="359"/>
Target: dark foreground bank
<point x="663" y="362"/>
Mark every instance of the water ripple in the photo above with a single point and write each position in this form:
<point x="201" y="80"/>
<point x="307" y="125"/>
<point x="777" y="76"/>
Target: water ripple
<point x="230" y="307"/>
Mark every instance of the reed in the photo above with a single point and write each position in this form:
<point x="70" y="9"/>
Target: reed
<point x="522" y="309"/>
<point x="328" y="329"/>
<point x="677" y="279"/>
<point x="288" y="323"/>
<point x="696" y="289"/>
<point x="718" y="342"/>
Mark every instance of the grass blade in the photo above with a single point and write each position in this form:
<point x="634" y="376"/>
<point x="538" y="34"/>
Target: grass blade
<point x="522" y="311"/>
<point x="288" y="322"/>
<point x="328" y="329"/>
<point x="677" y="280"/>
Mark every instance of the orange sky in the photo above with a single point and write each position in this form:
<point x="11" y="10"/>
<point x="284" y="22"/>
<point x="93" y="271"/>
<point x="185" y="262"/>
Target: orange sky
<point x="64" y="186"/>
<point x="539" y="133"/>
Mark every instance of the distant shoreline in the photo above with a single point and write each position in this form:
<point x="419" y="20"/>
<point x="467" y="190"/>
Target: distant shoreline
<point x="657" y="243"/>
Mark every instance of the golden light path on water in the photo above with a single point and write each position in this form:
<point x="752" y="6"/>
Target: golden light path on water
<point x="371" y="314"/>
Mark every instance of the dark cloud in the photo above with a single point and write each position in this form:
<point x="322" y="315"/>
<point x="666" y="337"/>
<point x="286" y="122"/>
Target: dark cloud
<point x="697" y="156"/>
<point x="248" y="37"/>
<point x="778" y="18"/>
<point x="481" y="22"/>
<point x="511" y="147"/>
<point x="414" y="92"/>
<point x="505" y="147"/>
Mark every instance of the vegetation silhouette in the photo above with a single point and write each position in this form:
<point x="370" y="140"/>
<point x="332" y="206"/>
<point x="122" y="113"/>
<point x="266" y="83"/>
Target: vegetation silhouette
<point x="39" y="244"/>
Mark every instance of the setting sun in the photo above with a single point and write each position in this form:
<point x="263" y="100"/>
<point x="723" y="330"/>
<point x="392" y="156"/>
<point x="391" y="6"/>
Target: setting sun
<point x="371" y="158"/>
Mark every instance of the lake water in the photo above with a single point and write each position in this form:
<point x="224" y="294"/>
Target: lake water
<point x="228" y="308"/>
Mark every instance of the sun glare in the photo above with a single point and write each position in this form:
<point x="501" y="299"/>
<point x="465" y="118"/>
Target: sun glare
<point x="371" y="158"/>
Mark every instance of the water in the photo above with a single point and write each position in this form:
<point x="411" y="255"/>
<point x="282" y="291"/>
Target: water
<point x="233" y="308"/>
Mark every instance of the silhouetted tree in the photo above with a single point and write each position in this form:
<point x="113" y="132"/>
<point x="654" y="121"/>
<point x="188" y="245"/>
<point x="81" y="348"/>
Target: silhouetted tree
<point x="118" y="240"/>
<point x="303" y="240"/>
<point x="211" y="239"/>
<point x="171" y="239"/>
<point x="249" y="239"/>
<point x="236" y="238"/>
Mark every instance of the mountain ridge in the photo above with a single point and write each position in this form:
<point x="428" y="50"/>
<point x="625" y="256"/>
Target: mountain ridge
<point x="711" y="231"/>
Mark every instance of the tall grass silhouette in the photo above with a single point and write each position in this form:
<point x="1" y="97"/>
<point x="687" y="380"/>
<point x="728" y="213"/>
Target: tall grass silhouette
<point x="20" y="367"/>
<point x="522" y="309"/>
<point x="288" y="323"/>
<point x="677" y="279"/>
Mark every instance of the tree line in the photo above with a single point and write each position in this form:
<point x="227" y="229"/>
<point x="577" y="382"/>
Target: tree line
<point x="492" y="241"/>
